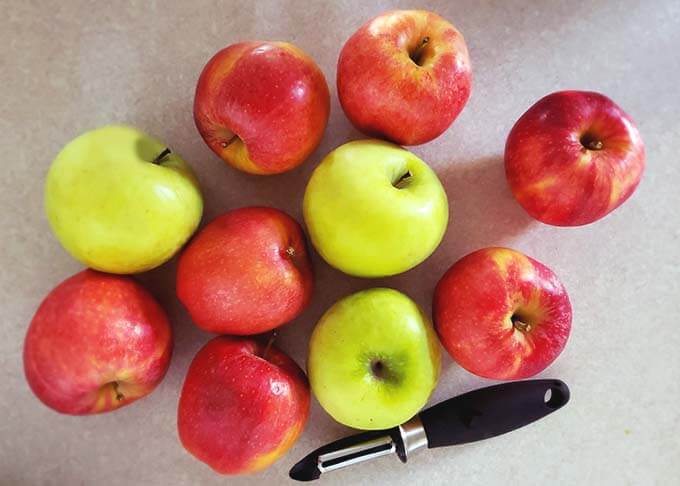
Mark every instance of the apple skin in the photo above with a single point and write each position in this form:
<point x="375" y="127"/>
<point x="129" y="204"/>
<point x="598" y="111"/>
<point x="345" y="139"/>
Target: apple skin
<point x="271" y="96"/>
<point x="97" y="342"/>
<point x="242" y="406"/>
<point x="501" y="314"/>
<point x="115" y="210"/>
<point x="573" y="158"/>
<point x="366" y="223"/>
<point x="385" y="94"/>
<point x="246" y="272"/>
<point x="373" y="359"/>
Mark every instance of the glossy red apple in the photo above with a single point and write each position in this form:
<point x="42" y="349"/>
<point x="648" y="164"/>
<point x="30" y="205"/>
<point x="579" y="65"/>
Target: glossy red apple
<point x="96" y="343"/>
<point x="243" y="405"/>
<point x="404" y="76"/>
<point x="262" y="106"/>
<point x="573" y="157"/>
<point x="501" y="314"/>
<point x="246" y="272"/>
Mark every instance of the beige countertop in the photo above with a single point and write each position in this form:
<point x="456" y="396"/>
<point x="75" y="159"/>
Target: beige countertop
<point x="69" y="66"/>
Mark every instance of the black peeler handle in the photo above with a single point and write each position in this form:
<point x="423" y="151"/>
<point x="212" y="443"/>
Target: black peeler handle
<point x="492" y="411"/>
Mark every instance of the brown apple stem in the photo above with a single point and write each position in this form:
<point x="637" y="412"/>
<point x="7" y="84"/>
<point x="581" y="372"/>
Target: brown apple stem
<point x="161" y="157"/>
<point x="403" y="180"/>
<point x="229" y="142"/>
<point x="119" y="395"/>
<point x="415" y="55"/>
<point x="269" y="345"/>
<point x="595" y="145"/>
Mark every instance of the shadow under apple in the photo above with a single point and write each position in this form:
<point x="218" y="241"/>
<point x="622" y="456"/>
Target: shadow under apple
<point x="482" y="212"/>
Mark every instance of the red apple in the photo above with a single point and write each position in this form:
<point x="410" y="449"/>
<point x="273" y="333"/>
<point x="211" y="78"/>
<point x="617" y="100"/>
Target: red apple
<point x="262" y="106"/>
<point x="97" y="342"/>
<point x="404" y="76"/>
<point x="501" y="314"/>
<point x="246" y="272"/>
<point x="243" y="405"/>
<point x="573" y="157"/>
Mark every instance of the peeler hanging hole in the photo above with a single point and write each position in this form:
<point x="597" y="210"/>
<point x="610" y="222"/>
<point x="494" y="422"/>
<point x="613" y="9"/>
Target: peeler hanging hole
<point x="554" y="398"/>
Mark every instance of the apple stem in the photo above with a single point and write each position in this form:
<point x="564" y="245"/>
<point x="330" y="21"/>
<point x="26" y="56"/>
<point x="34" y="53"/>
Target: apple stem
<point x="403" y="180"/>
<point x="521" y="325"/>
<point x="415" y="55"/>
<point x="595" y="145"/>
<point x="591" y="142"/>
<point x="229" y="142"/>
<point x="160" y="158"/>
<point x="119" y="395"/>
<point x="270" y="343"/>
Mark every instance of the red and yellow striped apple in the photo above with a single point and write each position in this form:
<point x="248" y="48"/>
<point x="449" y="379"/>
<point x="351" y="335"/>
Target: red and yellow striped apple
<point x="243" y="405"/>
<point x="404" y="76"/>
<point x="573" y="157"/>
<point x="96" y="343"/>
<point x="501" y="314"/>
<point x="246" y="272"/>
<point x="262" y="106"/>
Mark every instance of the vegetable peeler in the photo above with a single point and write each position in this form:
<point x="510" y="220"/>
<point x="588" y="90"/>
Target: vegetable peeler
<point x="476" y="415"/>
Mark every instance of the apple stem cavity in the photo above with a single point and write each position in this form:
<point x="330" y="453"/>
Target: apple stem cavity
<point x="162" y="156"/>
<point x="270" y="343"/>
<point x="417" y="53"/>
<point x="378" y="369"/>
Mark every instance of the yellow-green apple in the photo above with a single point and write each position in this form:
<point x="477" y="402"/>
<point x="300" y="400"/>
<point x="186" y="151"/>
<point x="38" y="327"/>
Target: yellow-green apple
<point x="262" y="106"/>
<point x="120" y="201"/>
<point x="373" y="359"/>
<point x="97" y="342"/>
<point x="501" y="314"/>
<point x="243" y="405"/>
<point x="404" y="76"/>
<point x="246" y="272"/>
<point x="573" y="157"/>
<point x="374" y="209"/>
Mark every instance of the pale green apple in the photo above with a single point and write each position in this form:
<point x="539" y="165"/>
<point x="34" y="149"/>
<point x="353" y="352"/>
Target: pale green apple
<point x="373" y="359"/>
<point x="374" y="209"/>
<point x="119" y="202"/>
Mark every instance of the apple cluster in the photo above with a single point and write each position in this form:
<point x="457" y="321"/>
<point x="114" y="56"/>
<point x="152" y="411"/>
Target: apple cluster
<point x="121" y="202"/>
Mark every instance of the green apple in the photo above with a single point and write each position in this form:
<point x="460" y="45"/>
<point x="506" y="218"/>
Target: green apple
<point x="119" y="201"/>
<point x="373" y="359"/>
<point x="374" y="209"/>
